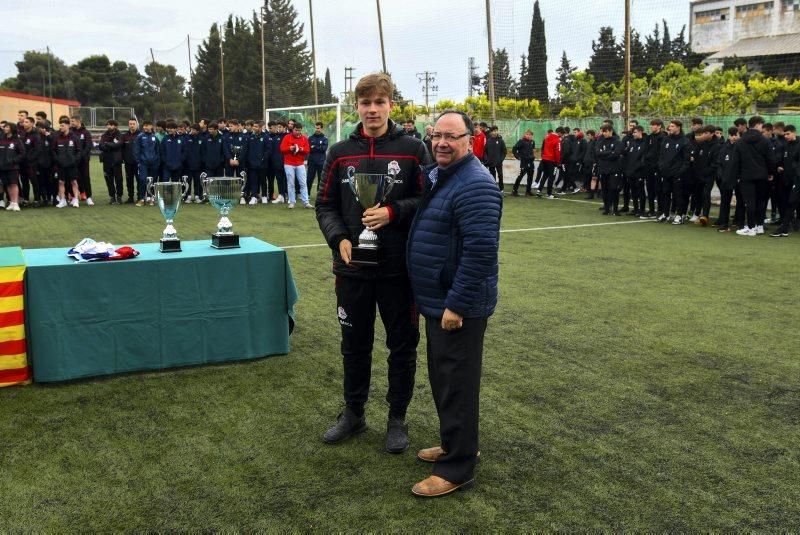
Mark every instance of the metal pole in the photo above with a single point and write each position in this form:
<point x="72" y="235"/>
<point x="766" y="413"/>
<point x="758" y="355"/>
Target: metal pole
<point x="313" y="52"/>
<point x="158" y="81"/>
<point x="191" y="73"/>
<point x="263" y="69"/>
<point x="222" y="71"/>
<point x="627" y="114"/>
<point x="491" y="60"/>
<point x="380" y="32"/>
<point x="50" y="81"/>
<point x="338" y="121"/>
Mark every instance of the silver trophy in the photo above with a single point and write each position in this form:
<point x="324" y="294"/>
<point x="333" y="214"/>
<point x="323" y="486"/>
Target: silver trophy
<point x="168" y="196"/>
<point x="223" y="193"/>
<point x="369" y="189"/>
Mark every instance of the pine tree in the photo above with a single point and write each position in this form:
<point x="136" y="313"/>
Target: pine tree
<point x="638" y="55"/>
<point x="652" y="51"/>
<point x="329" y="98"/>
<point x="504" y="84"/>
<point x="207" y="76"/>
<point x="288" y="57"/>
<point x="535" y="85"/>
<point x="606" y="63"/>
<point x="523" y="75"/>
<point x="666" y="46"/>
<point x="564" y="73"/>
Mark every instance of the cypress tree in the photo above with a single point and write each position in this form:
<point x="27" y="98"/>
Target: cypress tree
<point x="535" y="86"/>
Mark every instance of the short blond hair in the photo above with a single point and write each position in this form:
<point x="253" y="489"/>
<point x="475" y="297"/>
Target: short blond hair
<point x="375" y="83"/>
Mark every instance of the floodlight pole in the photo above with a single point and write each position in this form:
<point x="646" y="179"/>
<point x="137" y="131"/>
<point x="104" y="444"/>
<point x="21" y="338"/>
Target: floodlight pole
<point x="380" y="33"/>
<point x="491" y="60"/>
<point x="222" y="70"/>
<point x="627" y="114"/>
<point x="50" y="81"/>
<point x="158" y="80"/>
<point x="313" y="53"/>
<point x="191" y="73"/>
<point x="263" y="68"/>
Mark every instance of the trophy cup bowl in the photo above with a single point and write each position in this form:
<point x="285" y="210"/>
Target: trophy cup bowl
<point x="223" y="193"/>
<point x="168" y="197"/>
<point x="369" y="189"/>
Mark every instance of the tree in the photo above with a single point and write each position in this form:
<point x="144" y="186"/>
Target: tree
<point x="534" y="85"/>
<point x="170" y="101"/>
<point x="564" y="74"/>
<point x="32" y="77"/>
<point x="523" y="74"/>
<point x="207" y="75"/>
<point x="92" y="78"/>
<point x="504" y="84"/>
<point x="606" y="63"/>
<point x="288" y="57"/>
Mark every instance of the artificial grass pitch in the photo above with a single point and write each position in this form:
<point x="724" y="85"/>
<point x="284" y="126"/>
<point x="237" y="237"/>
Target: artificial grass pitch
<point x="636" y="377"/>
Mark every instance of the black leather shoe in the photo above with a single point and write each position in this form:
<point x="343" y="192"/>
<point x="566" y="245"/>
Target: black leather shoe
<point x="347" y="425"/>
<point x="396" y="436"/>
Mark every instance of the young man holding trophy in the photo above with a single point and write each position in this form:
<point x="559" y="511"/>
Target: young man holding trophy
<point x="369" y="193"/>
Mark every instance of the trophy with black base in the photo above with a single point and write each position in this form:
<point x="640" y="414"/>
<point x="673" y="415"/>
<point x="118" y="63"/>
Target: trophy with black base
<point x="223" y="193"/>
<point x="168" y="197"/>
<point x="370" y="189"/>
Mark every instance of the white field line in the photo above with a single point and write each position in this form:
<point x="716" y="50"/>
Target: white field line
<point x="309" y="245"/>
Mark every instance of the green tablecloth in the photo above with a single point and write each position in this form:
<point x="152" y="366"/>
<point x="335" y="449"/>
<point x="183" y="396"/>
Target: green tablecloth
<point x="158" y="310"/>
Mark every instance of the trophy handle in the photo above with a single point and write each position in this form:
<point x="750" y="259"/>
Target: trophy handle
<point x="151" y="187"/>
<point x="184" y="185"/>
<point x="243" y="174"/>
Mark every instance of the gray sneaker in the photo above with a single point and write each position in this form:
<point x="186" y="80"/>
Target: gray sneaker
<point x="347" y="425"/>
<point x="396" y="436"/>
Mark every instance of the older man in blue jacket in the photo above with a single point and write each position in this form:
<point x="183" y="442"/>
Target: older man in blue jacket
<point x="452" y="264"/>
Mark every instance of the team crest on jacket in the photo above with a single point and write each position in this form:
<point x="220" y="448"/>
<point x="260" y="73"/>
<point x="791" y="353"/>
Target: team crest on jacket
<point x="394" y="168"/>
<point x="341" y="313"/>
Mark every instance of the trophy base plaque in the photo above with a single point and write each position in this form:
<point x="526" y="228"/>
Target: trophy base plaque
<point x="225" y="241"/>
<point x="365" y="256"/>
<point x="170" y="246"/>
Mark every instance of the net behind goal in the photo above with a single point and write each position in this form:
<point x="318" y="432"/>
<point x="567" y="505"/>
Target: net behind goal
<point x="337" y="120"/>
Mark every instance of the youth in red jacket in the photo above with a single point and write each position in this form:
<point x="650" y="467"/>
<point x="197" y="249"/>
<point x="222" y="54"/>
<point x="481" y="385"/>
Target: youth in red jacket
<point x="551" y="148"/>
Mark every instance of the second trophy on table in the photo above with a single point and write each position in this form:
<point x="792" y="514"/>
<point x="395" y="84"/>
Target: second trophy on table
<point x="223" y="193"/>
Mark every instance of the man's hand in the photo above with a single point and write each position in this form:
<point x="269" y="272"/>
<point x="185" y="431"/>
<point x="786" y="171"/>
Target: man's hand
<point x="451" y="321"/>
<point x="375" y="217"/>
<point x="345" y="250"/>
<point x="780" y="169"/>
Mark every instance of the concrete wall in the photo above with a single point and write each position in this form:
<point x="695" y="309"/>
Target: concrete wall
<point x="9" y="106"/>
<point x="710" y="37"/>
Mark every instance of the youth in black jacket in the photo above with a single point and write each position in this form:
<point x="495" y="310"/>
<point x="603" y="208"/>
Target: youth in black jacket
<point x="339" y="213"/>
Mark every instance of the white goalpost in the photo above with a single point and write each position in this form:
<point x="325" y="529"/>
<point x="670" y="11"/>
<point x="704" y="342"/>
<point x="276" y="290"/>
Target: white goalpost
<point x="307" y="116"/>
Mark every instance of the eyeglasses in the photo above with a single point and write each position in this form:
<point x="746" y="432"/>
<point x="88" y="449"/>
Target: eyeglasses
<point x="438" y="136"/>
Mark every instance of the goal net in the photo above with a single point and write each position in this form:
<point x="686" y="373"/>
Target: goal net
<point x="337" y="119"/>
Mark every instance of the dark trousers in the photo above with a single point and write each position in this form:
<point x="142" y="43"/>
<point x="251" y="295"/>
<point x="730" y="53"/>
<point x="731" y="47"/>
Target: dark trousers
<point x="497" y="173"/>
<point x="739" y="212"/>
<point x="280" y="177"/>
<point x="586" y="171"/>
<point x="755" y="194"/>
<point x="725" y="206"/>
<point x="130" y="178"/>
<point x="680" y="195"/>
<point x="270" y="185"/>
<point x="638" y="193"/>
<point x="171" y="175"/>
<point x="194" y="186"/>
<point x="84" y="180"/>
<point x="525" y="168"/>
<point x="627" y="191"/>
<point x="48" y="187"/>
<point x="653" y="182"/>
<point x="112" y="173"/>
<point x="548" y="170"/>
<point x="254" y="178"/>
<point x="314" y="171"/>
<point x="610" y="184"/>
<point x="25" y="181"/>
<point x="792" y="205"/>
<point x="357" y="300"/>
<point x="146" y="173"/>
<point x="454" y="369"/>
<point x="708" y="185"/>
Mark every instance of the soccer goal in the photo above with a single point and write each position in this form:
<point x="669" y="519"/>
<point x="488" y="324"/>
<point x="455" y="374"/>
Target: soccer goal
<point x="336" y="121"/>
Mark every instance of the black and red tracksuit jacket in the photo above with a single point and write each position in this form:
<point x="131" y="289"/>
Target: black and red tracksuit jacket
<point x="12" y="153"/>
<point x="339" y="213"/>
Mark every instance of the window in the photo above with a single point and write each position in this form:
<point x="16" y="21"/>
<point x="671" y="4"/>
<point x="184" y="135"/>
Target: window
<point x="754" y="10"/>
<point x="713" y="15"/>
<point x="790" y="5"/>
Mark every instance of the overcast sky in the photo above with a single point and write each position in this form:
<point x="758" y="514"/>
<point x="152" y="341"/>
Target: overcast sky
<point x="419" y="35"/>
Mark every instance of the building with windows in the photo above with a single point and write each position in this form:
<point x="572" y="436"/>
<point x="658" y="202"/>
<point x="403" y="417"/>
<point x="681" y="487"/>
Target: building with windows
<point x="765" y="35"/>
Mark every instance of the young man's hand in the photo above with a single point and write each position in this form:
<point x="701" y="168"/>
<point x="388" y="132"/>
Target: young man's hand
<point x="345" y="251"/>
<point x="376" y="217"/>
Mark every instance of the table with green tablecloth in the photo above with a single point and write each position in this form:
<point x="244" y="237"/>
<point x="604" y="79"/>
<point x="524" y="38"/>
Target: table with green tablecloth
<point x="157" y="310"/>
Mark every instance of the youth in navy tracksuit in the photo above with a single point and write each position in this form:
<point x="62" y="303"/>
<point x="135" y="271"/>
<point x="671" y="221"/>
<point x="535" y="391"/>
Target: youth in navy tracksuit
<point x="193" y="161"/>
<point x="258" y="150"/>
<point x="608" y="153"/>
<point x="171" y="152"/>
<point x="235" y="139"/>
<point x="635" y="168"/>
<point x="276" y="161"/>
<point x="316" y="159"/>
<point x="212" y="153"/>
<point x="147" y="154"/>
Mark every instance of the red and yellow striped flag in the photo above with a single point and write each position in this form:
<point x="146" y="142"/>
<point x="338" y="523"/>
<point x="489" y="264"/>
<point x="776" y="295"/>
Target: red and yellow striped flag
<point x="14" y="367"/>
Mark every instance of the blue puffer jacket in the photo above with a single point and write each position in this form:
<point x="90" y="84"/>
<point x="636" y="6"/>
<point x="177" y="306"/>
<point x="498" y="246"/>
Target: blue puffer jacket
<point x="453" y="242"/>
